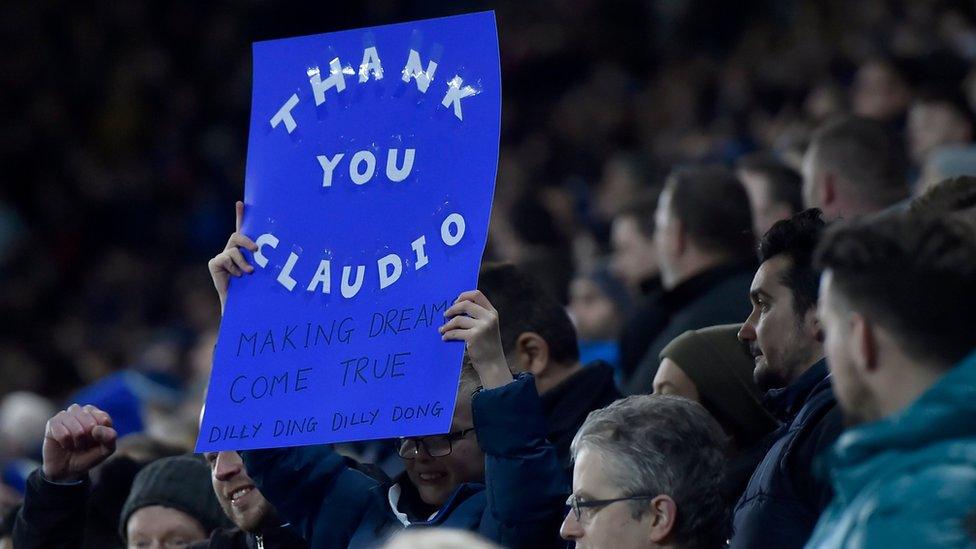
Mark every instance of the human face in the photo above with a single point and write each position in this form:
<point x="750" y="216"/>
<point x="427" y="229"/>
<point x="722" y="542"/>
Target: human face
<point x="241" y="501"/>
<point x="666" y="238"/>
<point x="436" y="478"/>
<point x="158" y="527"/>
<point x="852" y="392"/>
<point x="783" y="344"/>
<point x="634" y="255"/>
<point x="595" y="314"/>
<point x="670" y="379"/>
<point x="613" y="526"/>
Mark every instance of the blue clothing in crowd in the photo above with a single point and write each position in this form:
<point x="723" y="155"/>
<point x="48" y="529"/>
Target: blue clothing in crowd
<point x="522" y="504"/>
<point x="908" y="480"/>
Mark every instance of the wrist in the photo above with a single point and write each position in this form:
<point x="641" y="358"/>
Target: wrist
<point x="494" y="374"/>
<point x="61" y="478"/>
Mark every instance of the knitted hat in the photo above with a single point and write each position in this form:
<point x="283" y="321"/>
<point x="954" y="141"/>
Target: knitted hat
<point x="721" y="368"/>
<point x="181" y="483"/>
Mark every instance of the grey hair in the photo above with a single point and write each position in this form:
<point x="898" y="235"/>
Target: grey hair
<point x="664" y="445"/>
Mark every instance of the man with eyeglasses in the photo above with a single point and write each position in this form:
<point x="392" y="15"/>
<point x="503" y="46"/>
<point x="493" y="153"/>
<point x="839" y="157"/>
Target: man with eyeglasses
<point x="647" y="473"/>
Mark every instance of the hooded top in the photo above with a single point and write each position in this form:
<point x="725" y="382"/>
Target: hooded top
<point x="909" y="478"/>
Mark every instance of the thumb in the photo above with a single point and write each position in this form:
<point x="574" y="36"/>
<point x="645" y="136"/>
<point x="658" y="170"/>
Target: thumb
<point x="106" y="436"/>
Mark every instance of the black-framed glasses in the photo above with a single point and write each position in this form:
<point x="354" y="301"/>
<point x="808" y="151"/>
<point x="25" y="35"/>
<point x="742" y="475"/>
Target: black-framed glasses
<point x="435" y="445"/>
<point x="577" y="506"/>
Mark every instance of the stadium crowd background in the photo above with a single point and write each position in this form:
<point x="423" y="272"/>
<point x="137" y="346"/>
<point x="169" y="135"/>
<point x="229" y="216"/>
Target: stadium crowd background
<point x="125" y="140"/>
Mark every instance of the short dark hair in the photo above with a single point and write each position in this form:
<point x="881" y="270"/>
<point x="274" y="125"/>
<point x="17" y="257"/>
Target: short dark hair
<point x="914" y="274"/>
<point x="783" y="184"/>
<point x="797" y="239"/>
<point x="713" y="208"/>
<point x="664" y="445"/>
<point x="867" y="154"/>
<point x="524" y="306"/>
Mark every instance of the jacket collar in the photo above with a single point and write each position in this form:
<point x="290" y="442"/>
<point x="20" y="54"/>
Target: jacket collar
<point x="945" y="412"/>
<point x="406" y="505"/>
<point x="687" y="291"/>
<point x="786" y="403"/>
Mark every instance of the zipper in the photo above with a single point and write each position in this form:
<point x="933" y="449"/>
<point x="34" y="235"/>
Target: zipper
<point x="260" y="540"/>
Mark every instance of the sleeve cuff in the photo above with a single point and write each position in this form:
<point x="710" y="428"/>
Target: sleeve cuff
<point x="509" y="419"/>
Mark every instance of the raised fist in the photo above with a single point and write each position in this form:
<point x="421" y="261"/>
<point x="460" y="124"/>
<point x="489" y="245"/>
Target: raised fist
<point x="75" y="441"/>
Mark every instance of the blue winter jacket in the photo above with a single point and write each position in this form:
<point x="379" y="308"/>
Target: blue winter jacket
<point x="908" y="480"/>
<point x="334" y="505"/>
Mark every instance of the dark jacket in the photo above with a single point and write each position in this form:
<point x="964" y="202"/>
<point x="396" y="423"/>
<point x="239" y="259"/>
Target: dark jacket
<point x="908" y="480"/>
<point x="717" y="296"/>
<point x="783" y="499"/>
<point x="647" y="318"/>
<point x="53" y="515"/>
<point x="281" y="537"/>
<point x="334" y="505"/>
<point x="566" y="405"/>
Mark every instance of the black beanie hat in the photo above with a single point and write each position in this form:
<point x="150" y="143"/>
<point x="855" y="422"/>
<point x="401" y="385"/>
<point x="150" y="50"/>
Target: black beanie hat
<point x="181" y="483"/>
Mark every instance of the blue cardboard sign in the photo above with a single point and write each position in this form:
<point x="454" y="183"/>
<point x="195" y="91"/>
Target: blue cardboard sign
<point x="370" y="172"/>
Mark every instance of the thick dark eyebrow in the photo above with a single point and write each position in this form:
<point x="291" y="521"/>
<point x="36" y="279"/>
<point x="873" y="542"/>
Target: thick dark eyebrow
<point x="756" y="294"/>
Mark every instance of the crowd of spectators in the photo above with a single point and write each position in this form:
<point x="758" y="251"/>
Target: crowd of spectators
<point x="648" y="150"/>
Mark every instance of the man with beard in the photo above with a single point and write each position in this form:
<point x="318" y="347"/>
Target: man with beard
<point x="897" y="302"/>
<point x="783" y="499"/>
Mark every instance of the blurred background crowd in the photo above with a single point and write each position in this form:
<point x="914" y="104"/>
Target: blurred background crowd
<point x="126" y="132"/>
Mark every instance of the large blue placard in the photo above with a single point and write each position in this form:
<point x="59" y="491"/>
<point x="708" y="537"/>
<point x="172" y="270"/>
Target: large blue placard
<point x="370" y="172"/>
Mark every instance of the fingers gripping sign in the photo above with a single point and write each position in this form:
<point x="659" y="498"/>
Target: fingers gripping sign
<point x="231" y="262"/>
<point x="474" y="320"/>
<point x="75" y="441"/>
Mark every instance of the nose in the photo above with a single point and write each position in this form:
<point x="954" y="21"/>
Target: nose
<point x="228" y="465"/>
<point x="570" y="528"/>
<point x="747" y="332"/>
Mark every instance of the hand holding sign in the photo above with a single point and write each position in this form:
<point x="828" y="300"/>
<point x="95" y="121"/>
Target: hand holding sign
<point x="231" y="262"/>
<point x="368" y="196"/>
<point x="475" y="321"/>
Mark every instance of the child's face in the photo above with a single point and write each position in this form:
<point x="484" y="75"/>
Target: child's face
<point x="436" y="478"/>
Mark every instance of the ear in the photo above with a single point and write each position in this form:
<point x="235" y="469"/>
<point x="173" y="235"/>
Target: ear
<point x="865" y="344"/>
<point x="531" y="353"/>
<point x="811" y="324"/>
<point x="680" y="237"/>
<point x="664" y="516"/>
<point x="828" y="191"/>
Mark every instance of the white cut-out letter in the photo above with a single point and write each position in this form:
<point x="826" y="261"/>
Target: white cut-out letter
<point x="383" y="264"/>
<point x="399" y="174"/>
<point x="416" y="71"/>
<point x="418" y="248"/>
<point x="323" y="275"/>
<point x="359" y="177"/>
<point x="336" y="79"/>
<point x="371" y="62"/>
<point x="284" y="277"/>
<point x="455" y="93"/>
<point x="350" y="290"/>
<point x="458" y="222"/>
<point x="267" y="239"/>
<point x="284" y="113"/>
<point x="328" y="166"/>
